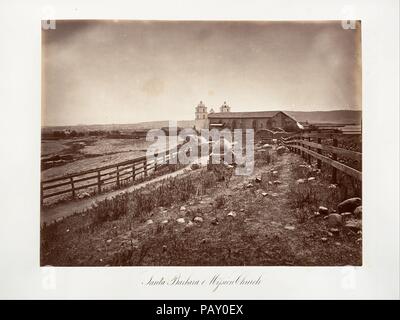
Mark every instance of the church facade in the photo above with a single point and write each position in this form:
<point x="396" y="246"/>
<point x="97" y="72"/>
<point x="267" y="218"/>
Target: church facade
<point x="257" y="120"/>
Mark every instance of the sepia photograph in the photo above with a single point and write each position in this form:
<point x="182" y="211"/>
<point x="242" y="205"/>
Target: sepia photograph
<point x="201" y="143"/>
<point x="199" y="158"/>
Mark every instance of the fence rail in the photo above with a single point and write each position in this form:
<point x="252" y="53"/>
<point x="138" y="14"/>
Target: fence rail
<point x="106" y="175"/>
<point x="308" y="149"/>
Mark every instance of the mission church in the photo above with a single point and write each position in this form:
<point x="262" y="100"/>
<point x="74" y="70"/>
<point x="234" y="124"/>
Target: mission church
<point x="257" y="120"/>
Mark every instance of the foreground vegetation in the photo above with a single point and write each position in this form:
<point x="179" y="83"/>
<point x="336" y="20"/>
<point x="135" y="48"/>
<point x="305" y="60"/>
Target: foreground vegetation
<point x="205" y="218"/>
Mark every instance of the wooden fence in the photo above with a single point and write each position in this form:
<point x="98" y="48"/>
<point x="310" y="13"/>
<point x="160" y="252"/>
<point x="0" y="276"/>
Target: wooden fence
<point x="107" y="175"/>
<point x="309" y="145"/>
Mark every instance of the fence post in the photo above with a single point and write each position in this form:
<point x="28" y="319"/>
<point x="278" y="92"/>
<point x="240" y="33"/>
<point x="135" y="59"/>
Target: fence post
<point x="145" y="168"/>
<point x="133" y="172"/>
<point x="334" y="157"/>
<point x="303" y="154"/>
<point x="320" y="152"/>
<point x="118" y="184"/>
<point x="309" y="148"/>
<point x="98" y="182"/>
<point x="155" y="161"/>
<point x="73" y="187"/>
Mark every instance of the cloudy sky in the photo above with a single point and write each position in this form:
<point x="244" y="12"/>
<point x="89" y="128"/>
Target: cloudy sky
<point x="102" y="72"/>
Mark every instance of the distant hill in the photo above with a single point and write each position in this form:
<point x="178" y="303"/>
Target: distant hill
<point x="336" y="116"/>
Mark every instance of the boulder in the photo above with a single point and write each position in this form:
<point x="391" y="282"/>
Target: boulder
<point x="310" y="179"/>
<point x="257" y="179"/>
<point x="180" y="220"/>
<point x="183" y="208"/>
<point x="323" y="210"/>
<point x="349" y="205"/>
<point x="358" y="212"/>
<point x="149" y="221"/>
<point x="264" y="194"/>
<point x="335" y="220"/>
<point x="300" y="181"/>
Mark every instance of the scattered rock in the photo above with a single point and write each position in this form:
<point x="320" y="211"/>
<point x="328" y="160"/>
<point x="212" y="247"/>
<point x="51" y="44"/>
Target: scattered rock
<point x="332" y="186"/>
<point x="214" y="221"/>
<point x="249" y="185"/>
<point x="275" y="195"/>
<point x="257" y="179"/>
<point x="353" y="224"/>
<point x="329" y="233"/>
<point x="349" y="205"/>
<point x="183" y="208"/>
<point x="346" y="214"/>
<point x="164" y="222"/>
<point x="180" y="220"/>
<point x="338" y="243"/>
<point x="289" y="227"/>
<point x="275" y="173"/>
<point x="164" y="248"/>
<point x="300" y="181"/>
<point x="203" y="240"/>
<point x="109" y="240"/>
<point x="266" y="146"/>
<point x="335" y="220"/>
<point x="334" y="230"/>
<point x="232" y="214"/>
<point x="198" y="219"/>
<point x="316" y="214"/>
<point x="195" y="166"/>
<point x="83" y="195"/>
<point x="270" y="183"/>
<point x="324" y="239"/>
<point x="67" y="230"/>
<point x="358" y="212"/>
<point x="280" y="150"/>
<point x="242" y="210"/>
<point x="190" y="224"/>
<point x="310" y="179"/>
<point x="149" y="221"/>
<point x="264" y="194"/>
<point x="323" y="210"/>
<point x="277" y="182"/>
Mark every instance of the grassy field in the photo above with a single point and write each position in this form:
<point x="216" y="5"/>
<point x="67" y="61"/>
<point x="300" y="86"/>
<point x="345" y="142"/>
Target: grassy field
<point x="200" y="219"/>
